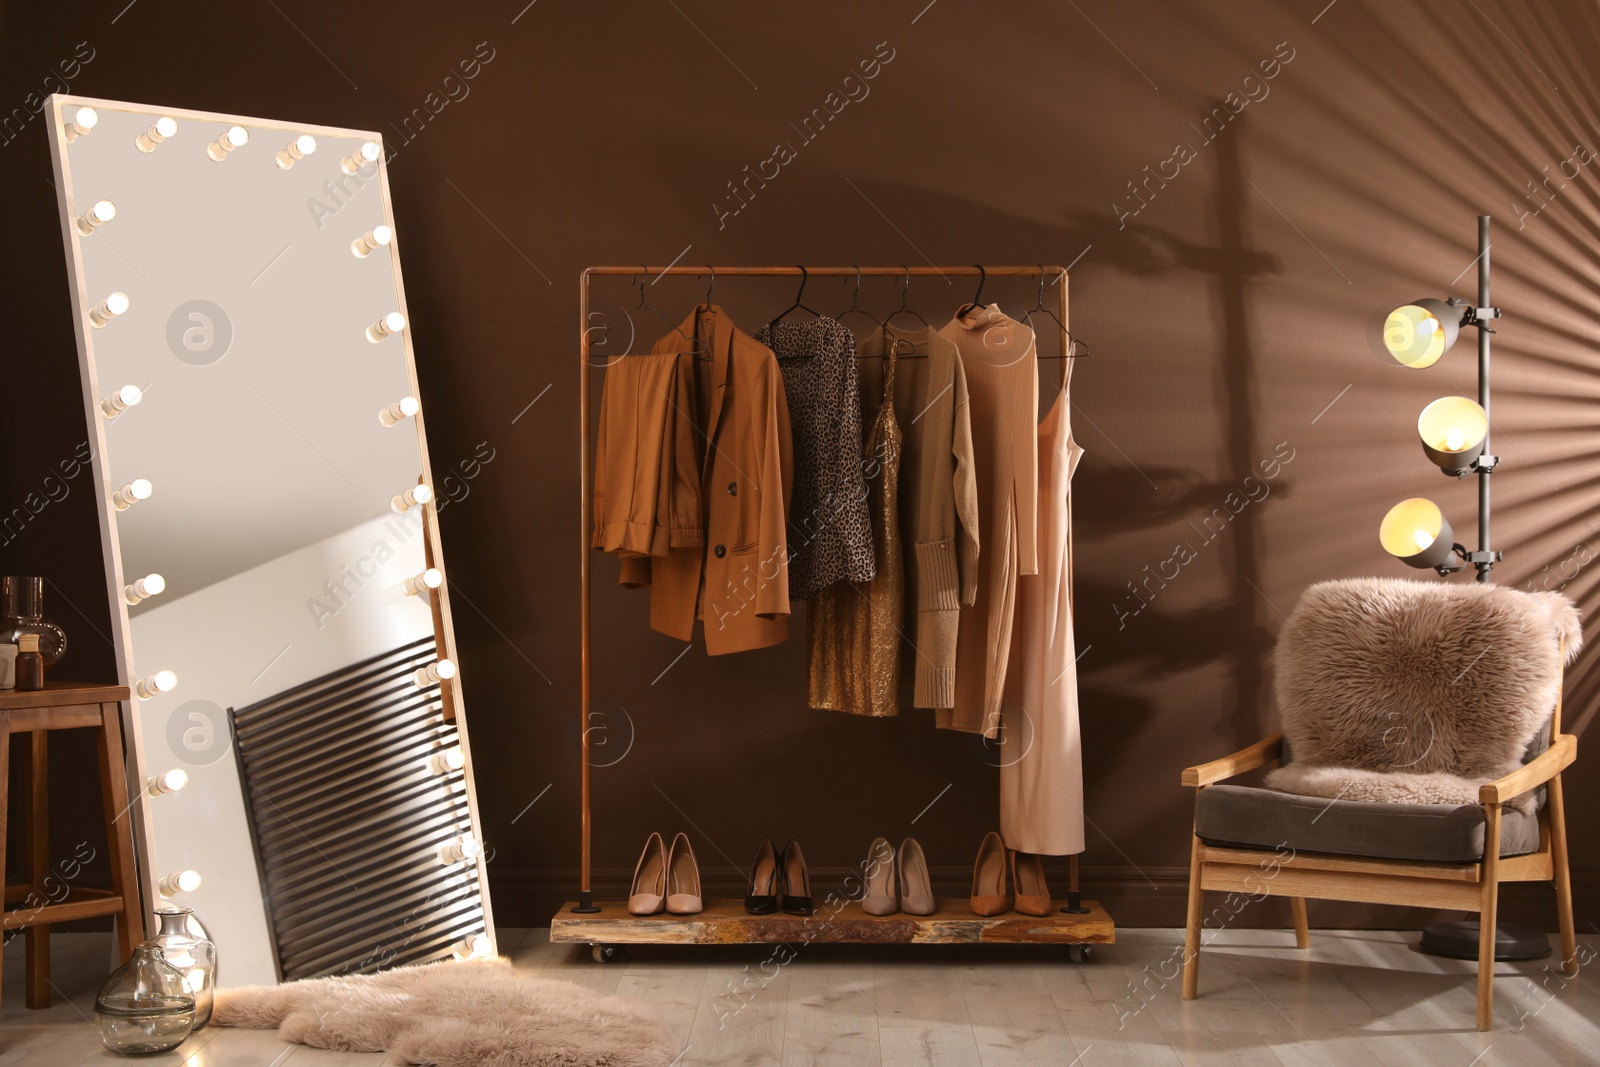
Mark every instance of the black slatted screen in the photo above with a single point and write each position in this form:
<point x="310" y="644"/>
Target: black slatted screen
<point x="348" y="819"/>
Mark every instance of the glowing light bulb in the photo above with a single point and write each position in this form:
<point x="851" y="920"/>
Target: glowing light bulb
<point x="1422" y="537"/>
<point x="121" y="401"/>
<point x="1428" y="326"/>
<point x="233" y="137"/>
<point x="434" y="673"/>
<point x="157" y="683"/>
<point x="369" y="242"/>
<point x="167" y="782"/>
<point x="403" y="408"/>
<point x="391" y="323"/>
<point x="449" y="761"/>
<point x="475" y="947"/>
<point x="108" y="309"/>
<point x="465" y="848"/>
<point x="80" y="123"/>
<point x="364" y="156"/>
<point x="432" y="578"/>
<point x="179" y="882"/>
<point x="298" y="149"/>
<point x="102" y="212"/>
<point x="1455" y="440"/>
<point x="417" y="494"/>
<point x="130" y="494"/>
<point x="158" y="132"/>
<point x="144" y="588"/>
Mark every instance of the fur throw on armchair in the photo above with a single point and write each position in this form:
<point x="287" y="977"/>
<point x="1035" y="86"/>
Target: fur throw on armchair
<point x="1416" y="692"/>
<point x="472" y="1013"/>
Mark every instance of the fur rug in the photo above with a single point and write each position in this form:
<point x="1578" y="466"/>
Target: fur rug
<point x="474" y="1013"/>
<point x="1416" y="692"/>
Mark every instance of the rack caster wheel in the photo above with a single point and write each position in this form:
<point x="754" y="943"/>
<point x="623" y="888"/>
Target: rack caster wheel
<point x="609" y="953"/>
<point x="1079" y="953"/>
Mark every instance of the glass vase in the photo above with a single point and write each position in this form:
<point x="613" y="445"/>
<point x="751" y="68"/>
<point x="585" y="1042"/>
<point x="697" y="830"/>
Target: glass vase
<point x="143" y="1007"/>
<point x="22" y="612"/>
<point x="187" y="949"/>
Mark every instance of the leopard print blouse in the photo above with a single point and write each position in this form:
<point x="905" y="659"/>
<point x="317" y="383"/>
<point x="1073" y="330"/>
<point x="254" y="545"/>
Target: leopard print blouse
<point x="830" y="534"/>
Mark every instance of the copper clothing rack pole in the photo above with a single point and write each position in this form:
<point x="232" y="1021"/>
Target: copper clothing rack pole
<point x="586" y="476"/>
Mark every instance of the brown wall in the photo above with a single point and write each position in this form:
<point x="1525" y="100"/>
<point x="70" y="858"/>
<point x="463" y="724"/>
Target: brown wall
<point x="1226" y="320"/>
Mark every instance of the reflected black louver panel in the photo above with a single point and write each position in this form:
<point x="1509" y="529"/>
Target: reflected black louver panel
<point x="348" y="819"/>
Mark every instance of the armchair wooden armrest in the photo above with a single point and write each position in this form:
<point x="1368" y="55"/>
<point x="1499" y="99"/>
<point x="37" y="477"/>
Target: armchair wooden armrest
<point x="1246" y="759"/>
<point x="1549" y="763"/>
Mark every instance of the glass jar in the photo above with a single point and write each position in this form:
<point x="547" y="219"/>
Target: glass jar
<point x="187" y="949"/>
<point x="144" y="1007"/>
<point x="22" y="612"/>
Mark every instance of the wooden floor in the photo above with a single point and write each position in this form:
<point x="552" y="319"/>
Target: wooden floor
<point x="1355" y="998"/>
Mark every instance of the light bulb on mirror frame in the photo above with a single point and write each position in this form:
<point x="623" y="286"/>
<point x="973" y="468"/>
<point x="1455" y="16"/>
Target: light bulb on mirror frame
<point x="101" y="213"/>
<point x="473" y="947"/>
<point x="158" y="683"/>
<point x="434" y="674"/>
<point x="298" y="149"/>
<point x="159" y="131"/>
<point x="121" y="401"/>
<point x="391" y="323"/>
<point x="130" y="494"/>
<point x="1453" y="430"/>
<point x="167" y="782"/>
<point x="403" y="408"/>
<point x="108" y="309"/>
<point x="80" y="123"/>
<point x="450" y="761"/>
<point x="430" y="579"/>
<point x="146" y="587"/>
<point x="464" y="849"/>
<point x="369" y="242"/>
<point x="179" y="882"/>
<point x="233" y="137"/>
<point x="417" y="494"/>
<point x="364" y="156"/>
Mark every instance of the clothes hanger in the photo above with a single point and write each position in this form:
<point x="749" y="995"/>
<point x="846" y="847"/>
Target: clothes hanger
<point x="712" y="284"/>
<point x="1038" y="308"/>
<point x="698" y="349"/>
<point x="799" y="300"/>
<point x="855" y="307"/>
<point x="905" y="308"/>
<point x="983" y="277"/>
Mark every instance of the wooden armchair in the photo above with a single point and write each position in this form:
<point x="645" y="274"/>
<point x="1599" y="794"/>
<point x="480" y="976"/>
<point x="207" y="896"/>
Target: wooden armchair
<point x="1463" y="886"/>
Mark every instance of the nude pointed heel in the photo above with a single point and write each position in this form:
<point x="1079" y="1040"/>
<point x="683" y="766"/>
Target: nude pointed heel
<point x="649" y="893"/>
<point x="683" y="878"/>
<point x="916" y="888"/>
<point x="1027" y="882"/>
<point x="879" y="895"/>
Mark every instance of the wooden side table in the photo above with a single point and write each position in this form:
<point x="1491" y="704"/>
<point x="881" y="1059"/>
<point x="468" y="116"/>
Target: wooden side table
<point x="49" y="895"/>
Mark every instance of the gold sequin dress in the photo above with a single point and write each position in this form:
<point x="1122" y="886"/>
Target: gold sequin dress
<point x="853" y="628"/>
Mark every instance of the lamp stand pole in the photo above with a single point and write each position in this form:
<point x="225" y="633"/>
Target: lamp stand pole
<point x="1484" y="556"/>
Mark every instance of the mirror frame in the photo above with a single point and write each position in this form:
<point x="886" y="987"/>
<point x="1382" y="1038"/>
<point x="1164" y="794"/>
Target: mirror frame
<point x="122" y="637"/>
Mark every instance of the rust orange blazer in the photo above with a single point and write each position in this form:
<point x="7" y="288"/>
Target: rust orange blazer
<point x="737" y="582"/>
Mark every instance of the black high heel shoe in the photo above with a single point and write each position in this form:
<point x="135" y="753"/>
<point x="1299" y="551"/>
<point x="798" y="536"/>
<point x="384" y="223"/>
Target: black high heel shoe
<point x="762" y="899"/>
<point x="796" y="881"/>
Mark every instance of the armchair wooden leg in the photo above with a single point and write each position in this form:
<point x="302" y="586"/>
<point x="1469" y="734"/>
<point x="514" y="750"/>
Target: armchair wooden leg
<point x="1302" y="925"/>
<point x="1191" y="928"/>
<point x="1563" y="880"/>
<point x="1488" y="916"/>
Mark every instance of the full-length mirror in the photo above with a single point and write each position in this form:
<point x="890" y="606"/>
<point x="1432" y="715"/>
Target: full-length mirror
<point x="271" y="547"/>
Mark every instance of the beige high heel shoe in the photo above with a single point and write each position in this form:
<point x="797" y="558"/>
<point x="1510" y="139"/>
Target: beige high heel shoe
<point x="649" y="893"/>
<point x="916" y="888"/>
<point x="683" y="878"/>
<point x="989" y="896"/>
<point x="879" y="895"/>
<point x="1027" y="881"/>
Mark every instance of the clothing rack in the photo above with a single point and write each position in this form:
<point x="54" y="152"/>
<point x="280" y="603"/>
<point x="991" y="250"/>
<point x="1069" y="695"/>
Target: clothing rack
<point x="604" y="926"/>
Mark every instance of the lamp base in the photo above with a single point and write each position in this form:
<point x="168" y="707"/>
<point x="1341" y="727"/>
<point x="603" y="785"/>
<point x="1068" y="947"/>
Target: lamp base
<point x="1459" y="940"/>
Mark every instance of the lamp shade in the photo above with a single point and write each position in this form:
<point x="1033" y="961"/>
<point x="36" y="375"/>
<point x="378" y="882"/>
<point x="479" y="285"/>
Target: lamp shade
<point x="1416" y="533"/>
<point x="1418" y="333"/>
<point x="1453" y="430"/>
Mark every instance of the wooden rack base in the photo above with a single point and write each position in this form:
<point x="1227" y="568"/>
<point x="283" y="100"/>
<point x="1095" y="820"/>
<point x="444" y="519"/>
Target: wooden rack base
<point x="727" y="923"/>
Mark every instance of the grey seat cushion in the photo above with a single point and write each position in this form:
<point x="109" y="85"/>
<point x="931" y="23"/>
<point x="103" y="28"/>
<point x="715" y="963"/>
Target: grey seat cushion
<point x="1248" y="817"/>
